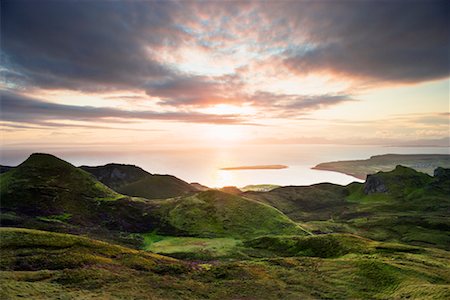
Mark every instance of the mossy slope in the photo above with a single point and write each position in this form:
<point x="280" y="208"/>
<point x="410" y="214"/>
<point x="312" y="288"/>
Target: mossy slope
<point x="217" y="214"/>
<point x="402" y="205"/>
<point x="42" y="265"/>
<point x="46" y="185"/>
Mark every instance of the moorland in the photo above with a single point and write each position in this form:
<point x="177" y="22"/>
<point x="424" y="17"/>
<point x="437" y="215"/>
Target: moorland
<point x="120" y="232"/>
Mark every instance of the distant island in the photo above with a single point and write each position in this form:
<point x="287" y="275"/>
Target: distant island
<point x="425" y="163"/>
<point x="259" y="167"/>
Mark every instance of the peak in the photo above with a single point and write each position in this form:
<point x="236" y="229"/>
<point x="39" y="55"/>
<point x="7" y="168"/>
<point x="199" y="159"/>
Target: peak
<point x="403" y="168"/>
<point x="395" y="181"/>
<point x="38" y="155"/>
<point x="44" y="160"/>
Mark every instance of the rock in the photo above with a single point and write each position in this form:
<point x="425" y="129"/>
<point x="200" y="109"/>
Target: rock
<point x="442" y="174"/>
<point x="374" y="184"/>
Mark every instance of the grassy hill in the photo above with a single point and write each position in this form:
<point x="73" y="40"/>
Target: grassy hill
<point x="217" y="214"/>
<point x="47" y="193"/>
<point x="254" y="245"/>
<point x="133" y="181"/>
<point x="43" y="265"/>
<point x="402" y="205"/>
<point x="304" y="203"/>
<point x="46" y="185"/>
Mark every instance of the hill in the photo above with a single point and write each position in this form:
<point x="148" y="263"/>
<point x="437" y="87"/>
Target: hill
<point x="402" y="205"/>
<point x="217" y="214"/>
<point x="47" y="185"/>
<point x="44" y="265"/>
<point x="426" y="163"/>
<point x="304" y="203"/>
<point x="45" y="192"/>
<point x="133" y="181"/>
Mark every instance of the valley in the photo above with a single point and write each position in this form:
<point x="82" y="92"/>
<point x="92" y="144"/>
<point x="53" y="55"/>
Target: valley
<point x="117" y="231"/>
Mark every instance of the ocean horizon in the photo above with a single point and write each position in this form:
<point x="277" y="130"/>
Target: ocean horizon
<point x="203" y="164"/>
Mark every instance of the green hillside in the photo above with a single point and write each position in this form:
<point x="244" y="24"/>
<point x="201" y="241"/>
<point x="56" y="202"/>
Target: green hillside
<point x="303" y="203"/>
<point x="402" y="205"/>
<point x="43" y="265"/>
<point x="47" y="193"/>
<point x="217" y="214"/>
<point x="133" y="181"/>
<point x="46" y="185"/>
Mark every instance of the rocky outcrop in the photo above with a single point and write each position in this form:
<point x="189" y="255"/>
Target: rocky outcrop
<point x="442" y="174"/>
<point x="375" y="184"/>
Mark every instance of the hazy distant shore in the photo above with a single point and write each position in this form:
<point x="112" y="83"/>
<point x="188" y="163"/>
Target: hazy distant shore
<point x="259" y="167"/>
<point x="426" y="163"/>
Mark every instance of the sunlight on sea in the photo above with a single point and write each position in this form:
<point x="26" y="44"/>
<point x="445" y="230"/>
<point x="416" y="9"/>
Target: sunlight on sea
<point x="203" y="164"/>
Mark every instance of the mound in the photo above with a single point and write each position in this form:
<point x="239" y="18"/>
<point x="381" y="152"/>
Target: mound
<point x="45" y="192"/>
<point x="46" y="185"/>
<point x="302" y="203"/>
<point x="218" y="214"/>
<point x="325" y="246"/>
<point x="133" y="181"/>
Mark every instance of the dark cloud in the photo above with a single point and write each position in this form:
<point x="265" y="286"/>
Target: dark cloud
<point x="295" y="103"/>
<point x="395" y="41"/>
<point x="100" y="45"/>
<point x="85" y="45"/>
<point x="197" y="90"/>
<point x="20" y="109"/>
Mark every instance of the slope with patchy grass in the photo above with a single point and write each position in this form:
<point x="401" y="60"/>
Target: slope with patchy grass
<point x="218" y="214"/>
<point x="43" y="265"/>
<point x="402" y="205"/>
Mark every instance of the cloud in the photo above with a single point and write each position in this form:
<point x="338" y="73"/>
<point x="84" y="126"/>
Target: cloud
<point x="20" y="109"/>
<point x="298" y="102"/>
<point x="89" y="45"/>
<point x="137" y="46"/>
<point x="197" y="90"/>
<point x="381" y="41"/>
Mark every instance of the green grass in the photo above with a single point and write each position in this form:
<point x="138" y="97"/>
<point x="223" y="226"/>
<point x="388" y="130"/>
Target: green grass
<point x="193" y="248"/>
<point x="56" y="218"/>
<point x="44" y="265"/>
<point x="326" y="246"/>
<point x="217" y="214"/>
<point x="412" y="211"/>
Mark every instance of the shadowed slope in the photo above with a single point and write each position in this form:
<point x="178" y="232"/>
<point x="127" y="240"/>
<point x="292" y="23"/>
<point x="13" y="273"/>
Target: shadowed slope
<point x="46" y="185"/>
<point x="133" y="181"/>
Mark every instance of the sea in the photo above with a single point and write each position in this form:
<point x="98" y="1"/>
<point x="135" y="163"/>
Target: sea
<point x="203" y="164"/>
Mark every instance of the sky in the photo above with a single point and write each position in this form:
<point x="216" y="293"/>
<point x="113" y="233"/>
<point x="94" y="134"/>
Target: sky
<point x="139" y="73"/>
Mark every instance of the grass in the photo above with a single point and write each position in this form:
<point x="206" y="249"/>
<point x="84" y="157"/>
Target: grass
<point x="217" y="214"/>
<point x="193" y="248"/>
<point x="325" y="246"/>
<point x="56" y="218"/>
<point x="44" y="265"/>
<point x="414" y="209"/>
<point x="232" y="247"/>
